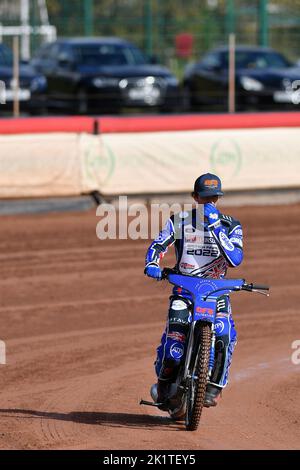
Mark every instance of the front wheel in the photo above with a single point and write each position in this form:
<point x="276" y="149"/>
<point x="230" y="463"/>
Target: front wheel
<point x="198" y="379"/>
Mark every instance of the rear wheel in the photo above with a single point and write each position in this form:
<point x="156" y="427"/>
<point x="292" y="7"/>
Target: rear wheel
<point x="198" y="380"/>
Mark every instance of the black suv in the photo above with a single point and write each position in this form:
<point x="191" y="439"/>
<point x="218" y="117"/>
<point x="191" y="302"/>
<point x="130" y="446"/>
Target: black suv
<point x="31" y="85"/>
<point x="265" y="79"/>
<point x="103" y="75"/>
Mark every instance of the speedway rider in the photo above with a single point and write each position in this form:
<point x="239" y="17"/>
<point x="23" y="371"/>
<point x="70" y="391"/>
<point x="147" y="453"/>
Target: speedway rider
<point x="209" y="256"/>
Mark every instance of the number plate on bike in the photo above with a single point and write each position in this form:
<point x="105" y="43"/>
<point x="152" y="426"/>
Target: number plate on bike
<point x="204" y="310"/>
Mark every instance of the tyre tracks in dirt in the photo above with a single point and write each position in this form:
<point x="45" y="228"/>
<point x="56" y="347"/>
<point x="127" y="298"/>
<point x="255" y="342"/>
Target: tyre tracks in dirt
<point x="81" y="324"/>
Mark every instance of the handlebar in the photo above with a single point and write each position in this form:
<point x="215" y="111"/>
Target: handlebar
<point x="251" y="287"/>
<point x="166" y="271"/>
<point x="247" y="287"/>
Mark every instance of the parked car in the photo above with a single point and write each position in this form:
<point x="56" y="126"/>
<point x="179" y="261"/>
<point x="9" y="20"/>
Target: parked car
<point x="31" y="85"/>
<point x="264" y="79"/>
<point x="103" y="74"/>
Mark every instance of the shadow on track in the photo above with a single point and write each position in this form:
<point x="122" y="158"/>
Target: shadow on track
<point x="99" y="418"/>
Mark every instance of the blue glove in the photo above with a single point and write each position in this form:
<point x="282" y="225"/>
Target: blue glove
<point x="153" y="270"/>
<point x="212" y="214"/>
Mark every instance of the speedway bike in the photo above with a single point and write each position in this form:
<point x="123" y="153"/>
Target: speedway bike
<point x="187" y="394"/>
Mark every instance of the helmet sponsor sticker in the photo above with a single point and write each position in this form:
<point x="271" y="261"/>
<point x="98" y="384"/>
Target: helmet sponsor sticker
<point x="177" y="350"/>
<point x="225" y="242"/>
<point x="213" y="184"/>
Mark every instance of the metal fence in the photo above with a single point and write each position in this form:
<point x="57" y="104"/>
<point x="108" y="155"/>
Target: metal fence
<point x="156" y="25"/>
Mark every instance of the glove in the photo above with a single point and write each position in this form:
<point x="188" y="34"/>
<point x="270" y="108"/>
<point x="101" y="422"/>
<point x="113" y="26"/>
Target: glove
<point x="153" y="270"/>
<point x="212" y="214"/>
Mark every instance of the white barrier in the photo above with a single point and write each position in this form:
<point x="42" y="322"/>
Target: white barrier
<point x="41" y="165"/>
<point x="153" y="162"/>
<point x="170" y="161"/>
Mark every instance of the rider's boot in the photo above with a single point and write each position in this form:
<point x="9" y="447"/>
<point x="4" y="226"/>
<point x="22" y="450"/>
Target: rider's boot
<point x="163" y="385"/>
<point x="212" y="396"/>
<point x="159" y="392"/>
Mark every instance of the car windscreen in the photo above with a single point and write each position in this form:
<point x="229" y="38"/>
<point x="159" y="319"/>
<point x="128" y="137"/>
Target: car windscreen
<point x="108" y="55"/>
<point x="256" y="60"/>
<point x="6" y="57"/>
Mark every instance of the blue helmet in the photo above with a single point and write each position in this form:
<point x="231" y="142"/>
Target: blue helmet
<point x="208" y="185"/>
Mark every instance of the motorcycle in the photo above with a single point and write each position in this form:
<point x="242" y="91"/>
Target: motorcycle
<point x="187" y="393"/>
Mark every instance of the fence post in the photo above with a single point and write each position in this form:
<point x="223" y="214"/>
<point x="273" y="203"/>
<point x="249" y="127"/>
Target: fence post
<point x="16" y="103"/>
<point x="25" y="35"/>
<point x="230" y="17"/>
<point x="88" y="17"/>
<point x="263" y="22"/>
<point x="231" y="74"/>
<point x="148" y="27"/>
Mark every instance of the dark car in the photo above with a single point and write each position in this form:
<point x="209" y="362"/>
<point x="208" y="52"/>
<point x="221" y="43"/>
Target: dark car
<point x="103" y="74"/>
<point x="264" y="79"/>
<point x="31" y="85"/>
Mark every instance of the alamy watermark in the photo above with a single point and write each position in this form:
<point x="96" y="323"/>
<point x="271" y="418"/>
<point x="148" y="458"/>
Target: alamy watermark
<point x="2" y="352"/>
<point x="296" y="354"/>
<point x="141" y="221"/>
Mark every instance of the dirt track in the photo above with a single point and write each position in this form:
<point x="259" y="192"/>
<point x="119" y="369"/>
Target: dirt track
<point x="81" y="324"/>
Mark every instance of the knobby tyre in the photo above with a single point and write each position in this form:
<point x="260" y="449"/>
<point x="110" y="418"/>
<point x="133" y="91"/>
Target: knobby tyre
<point x="197" y="384"/>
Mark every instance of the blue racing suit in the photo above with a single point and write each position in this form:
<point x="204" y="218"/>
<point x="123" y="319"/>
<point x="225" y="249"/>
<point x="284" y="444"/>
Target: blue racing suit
<point x="206" y="250"/>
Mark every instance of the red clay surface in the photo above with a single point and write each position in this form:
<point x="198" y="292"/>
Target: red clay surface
<point x="81" y="324"/>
